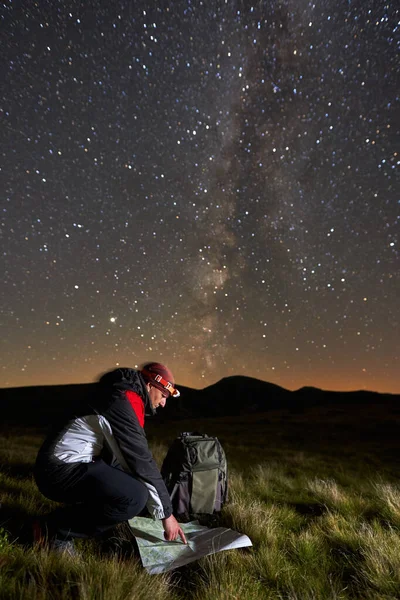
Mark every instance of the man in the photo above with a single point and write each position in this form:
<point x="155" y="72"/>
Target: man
<point x="98" y="462"/>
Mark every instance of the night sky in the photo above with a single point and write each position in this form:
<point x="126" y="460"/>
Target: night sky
<point x="207" y="184"/>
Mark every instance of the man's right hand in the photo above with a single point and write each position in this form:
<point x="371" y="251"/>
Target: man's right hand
<point x="172" y="529"/>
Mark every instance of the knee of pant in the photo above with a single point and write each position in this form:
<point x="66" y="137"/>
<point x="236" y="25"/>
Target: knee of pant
<point x="138" y="503"/>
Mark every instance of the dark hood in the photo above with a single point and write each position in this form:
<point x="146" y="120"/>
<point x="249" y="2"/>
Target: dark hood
<point x="127" y="379"/>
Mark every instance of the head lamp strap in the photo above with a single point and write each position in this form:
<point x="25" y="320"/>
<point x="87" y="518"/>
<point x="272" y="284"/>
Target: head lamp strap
<point x="164" y="382"/>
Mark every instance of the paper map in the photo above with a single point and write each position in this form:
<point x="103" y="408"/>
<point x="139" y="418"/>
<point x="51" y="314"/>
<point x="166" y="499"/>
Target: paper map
<point x="159" y="556"/>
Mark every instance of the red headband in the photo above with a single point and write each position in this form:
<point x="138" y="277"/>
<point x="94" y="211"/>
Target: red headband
<point x="167" y="385"/>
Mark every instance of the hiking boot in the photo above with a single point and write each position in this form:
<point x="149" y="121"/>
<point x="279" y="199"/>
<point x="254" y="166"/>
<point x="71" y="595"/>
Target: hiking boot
<point x="65" y="547"/>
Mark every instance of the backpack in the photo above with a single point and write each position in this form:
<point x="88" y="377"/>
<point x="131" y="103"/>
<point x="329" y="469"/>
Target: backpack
<point x="196" y="475"/>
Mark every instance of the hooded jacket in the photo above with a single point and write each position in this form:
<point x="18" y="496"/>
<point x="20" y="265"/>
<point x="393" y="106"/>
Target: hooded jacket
<point x="108" y="426"/>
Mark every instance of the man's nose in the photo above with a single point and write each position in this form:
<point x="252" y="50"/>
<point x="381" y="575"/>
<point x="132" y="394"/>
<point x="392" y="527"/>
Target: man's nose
<point x="163" y="401"/>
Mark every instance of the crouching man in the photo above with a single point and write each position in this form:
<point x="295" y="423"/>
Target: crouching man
<point x="98" y="463"/>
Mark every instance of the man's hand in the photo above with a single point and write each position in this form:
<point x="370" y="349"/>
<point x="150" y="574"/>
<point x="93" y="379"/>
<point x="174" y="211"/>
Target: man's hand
<point x="172" y="529"/>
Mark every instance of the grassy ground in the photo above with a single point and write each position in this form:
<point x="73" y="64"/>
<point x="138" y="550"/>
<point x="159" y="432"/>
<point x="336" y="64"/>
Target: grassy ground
<point x="317" y="493"/>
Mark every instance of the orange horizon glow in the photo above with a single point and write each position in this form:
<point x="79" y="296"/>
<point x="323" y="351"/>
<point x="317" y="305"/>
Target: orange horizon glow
<point x="292" y="384"/>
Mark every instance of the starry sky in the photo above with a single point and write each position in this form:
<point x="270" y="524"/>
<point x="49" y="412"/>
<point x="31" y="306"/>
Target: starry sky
<point x="209" y="184"/>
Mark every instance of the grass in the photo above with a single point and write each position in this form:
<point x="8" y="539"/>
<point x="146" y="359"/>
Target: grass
<point x="322" y="511"/>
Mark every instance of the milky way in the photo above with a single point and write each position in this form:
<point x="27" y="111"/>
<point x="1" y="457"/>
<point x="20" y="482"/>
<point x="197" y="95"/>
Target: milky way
<point x="208" y="184"/>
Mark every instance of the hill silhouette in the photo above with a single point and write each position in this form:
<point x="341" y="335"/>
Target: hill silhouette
<point x="231" y="396"/>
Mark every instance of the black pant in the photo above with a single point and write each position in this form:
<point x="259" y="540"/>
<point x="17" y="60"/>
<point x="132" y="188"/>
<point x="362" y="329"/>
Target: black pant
<point x="104" y="497"/>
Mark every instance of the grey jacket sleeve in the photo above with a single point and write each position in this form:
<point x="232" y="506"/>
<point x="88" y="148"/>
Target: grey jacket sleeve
<point x="132" y="442"/>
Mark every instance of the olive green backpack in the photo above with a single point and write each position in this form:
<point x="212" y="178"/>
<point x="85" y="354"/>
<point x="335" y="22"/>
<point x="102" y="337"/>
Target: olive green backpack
<point x="196" y="475"/>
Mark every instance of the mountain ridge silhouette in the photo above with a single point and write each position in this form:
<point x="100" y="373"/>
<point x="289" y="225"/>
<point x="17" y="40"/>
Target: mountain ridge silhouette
<point x="231" y="396"/>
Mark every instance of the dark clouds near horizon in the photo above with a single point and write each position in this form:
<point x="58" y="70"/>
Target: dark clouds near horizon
<point x="209" y="184"/>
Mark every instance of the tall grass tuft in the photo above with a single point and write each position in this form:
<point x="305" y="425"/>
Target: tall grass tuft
<point x="329" y="493"/>
<point x="380" y="568"/>
<point x="389" y="498"/>
<point x="39" y="575"/>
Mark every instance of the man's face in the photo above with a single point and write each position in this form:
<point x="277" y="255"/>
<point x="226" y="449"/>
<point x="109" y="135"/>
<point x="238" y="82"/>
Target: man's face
<point x="157" y="397"/>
